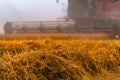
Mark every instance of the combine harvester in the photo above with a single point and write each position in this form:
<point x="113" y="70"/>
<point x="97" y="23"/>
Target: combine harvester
<point x="84" y="16"/>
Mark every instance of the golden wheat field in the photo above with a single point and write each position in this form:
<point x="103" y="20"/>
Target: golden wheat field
<point x="59" y="59"/>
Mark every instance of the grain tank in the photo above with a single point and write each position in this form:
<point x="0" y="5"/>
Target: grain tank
<point x="95" y="15"/>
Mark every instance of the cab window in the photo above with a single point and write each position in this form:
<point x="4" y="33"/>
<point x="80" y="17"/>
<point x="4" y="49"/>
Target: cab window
<point x="115" y="0"/>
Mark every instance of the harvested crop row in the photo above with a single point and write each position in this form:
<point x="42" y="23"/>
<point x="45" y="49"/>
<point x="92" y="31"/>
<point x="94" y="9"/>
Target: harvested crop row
<point x="48" y="59"/>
